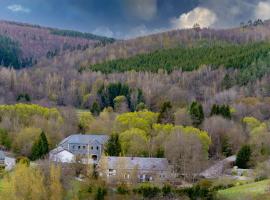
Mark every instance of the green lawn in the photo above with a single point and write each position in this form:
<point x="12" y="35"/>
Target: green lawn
<point x="0" y="184"/>
<point x="247" y="190"/>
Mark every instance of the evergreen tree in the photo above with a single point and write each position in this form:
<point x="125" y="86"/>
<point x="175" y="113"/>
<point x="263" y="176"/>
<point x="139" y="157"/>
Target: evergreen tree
<point x="23" y="97"/>
<point x="196" y="113"/>
<point x="166" y="115"/>
<point x="214" y="110"/>
<point x="227" y="113"/>
<point x="108" y="93"/>
<point x="113" y="147"/>
<point x="95" y="109"/>
<point x="40" y="147"/>
<point x="227" y="82"/>
<point x="226" y="148"/>
<point x="5" y="139"/>
<point x="141" y="106"/>
<point x="223" y="110"/>
<point x="243" y="157"/>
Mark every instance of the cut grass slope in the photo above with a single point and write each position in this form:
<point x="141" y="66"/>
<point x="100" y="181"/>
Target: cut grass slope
<point x="244" y="191"/>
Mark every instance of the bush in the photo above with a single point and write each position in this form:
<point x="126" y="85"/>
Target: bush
<point x="260" y="178"/>
<point x="147" y="191"/>
<point x="166" y="190"/>
<point x="222" y="183"/>
<point x="101" y="193"/>
<point x="122" y="189"/>
<point x="23" y="160"/>
<point x="243" y="157"/>
<point x="201" y="190"/>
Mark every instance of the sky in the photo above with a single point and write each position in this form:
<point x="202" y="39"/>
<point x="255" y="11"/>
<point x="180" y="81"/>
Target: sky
<point x="131" y="18"/>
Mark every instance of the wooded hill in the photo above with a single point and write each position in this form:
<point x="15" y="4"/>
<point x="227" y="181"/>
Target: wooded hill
<point x="180" y="40"/>
<point x="34" y="42"/>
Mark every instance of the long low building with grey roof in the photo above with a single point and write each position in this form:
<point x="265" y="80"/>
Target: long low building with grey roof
<point x="134" y="168"/>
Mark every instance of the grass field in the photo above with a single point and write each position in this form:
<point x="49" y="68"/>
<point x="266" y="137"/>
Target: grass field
<point x="243" y="191"/>
<point x="0" y="184"/>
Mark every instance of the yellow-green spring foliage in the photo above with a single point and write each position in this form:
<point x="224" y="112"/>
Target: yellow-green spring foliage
<point x="26" y="112"/>
<point x="138" y="129"/>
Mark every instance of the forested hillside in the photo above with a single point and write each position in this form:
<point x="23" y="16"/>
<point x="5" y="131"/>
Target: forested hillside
<point x="9" y="52"/>
<point x="192" y="97"/>
<point x="34" y="42"/>
<point x="215" y="54"/>
<point x="186" y="38"/>
<point x="77" y="34"/>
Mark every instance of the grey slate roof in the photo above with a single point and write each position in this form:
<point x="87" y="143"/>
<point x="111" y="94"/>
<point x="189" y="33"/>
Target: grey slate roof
<point x="57" y="150"/>
<point x="2" y="155"/>
<point x="85" y="139"/>
<point x="148" y="164"/>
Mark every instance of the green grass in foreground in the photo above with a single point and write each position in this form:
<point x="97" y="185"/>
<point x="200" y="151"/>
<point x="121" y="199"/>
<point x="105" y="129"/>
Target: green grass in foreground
<point x="0" y="184"/>
<point x="247" y="190"/>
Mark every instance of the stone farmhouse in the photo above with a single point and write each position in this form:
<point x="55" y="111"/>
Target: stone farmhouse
<point x="88" y="147"/>
<point x="141" y="169"/>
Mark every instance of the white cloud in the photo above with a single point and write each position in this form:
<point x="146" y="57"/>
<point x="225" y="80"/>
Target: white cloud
<point x="262" y="10"/>
<point x="104" y="31"/>
<point x="203" y="16"/>
<point x="142" y="9"/>
<point x="18" y="8"/>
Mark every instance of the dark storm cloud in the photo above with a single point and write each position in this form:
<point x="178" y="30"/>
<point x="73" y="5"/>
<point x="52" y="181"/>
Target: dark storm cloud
<point x="128" y="18"/>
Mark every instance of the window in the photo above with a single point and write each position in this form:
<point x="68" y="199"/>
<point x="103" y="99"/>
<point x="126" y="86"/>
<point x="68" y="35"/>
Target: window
<point x="83" y="147"/>
<point x="112" y="172"/>
<point x="79" y="147"/>
<point x="73" y="146"/>
<point x="94" y="157"/>
<point x="92" y="147"/>
<point x="126" y="176"/>
<point x="97" y="147"/>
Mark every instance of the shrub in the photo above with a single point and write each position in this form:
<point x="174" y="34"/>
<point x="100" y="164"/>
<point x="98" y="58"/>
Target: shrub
<point x="166" y="190"/>
<point x="147" y="190"/>
<point x="201" y="190"/>
<point x="122" y="189"/>
<point x="101" y="193"/>
<point x="23" y="160"/>
<point x="260" y="178"/>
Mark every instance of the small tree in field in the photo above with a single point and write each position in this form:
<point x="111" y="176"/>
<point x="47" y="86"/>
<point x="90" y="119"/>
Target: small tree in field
<point x="243" y="157"/>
